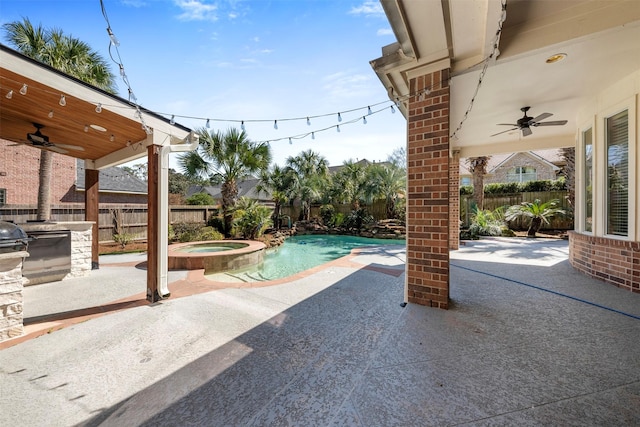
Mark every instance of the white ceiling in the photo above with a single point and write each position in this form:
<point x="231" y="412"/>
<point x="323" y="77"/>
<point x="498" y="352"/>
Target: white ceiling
<point x="600" y="39"/>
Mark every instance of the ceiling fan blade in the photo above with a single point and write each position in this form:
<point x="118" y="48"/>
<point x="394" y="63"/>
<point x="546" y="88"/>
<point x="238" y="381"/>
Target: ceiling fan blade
<point x="70" y="147"/>
<point x="507" y="124"/>
<point x="553" y="123"/>
<point x="526" y="131"/>
<point x="541" y="117"/>
<point x="56" y="149"/>
<point x="505" y="131"/>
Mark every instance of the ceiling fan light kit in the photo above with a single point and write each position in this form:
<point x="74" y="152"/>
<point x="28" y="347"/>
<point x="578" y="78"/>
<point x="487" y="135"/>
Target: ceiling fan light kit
<point x="38" y="139"/>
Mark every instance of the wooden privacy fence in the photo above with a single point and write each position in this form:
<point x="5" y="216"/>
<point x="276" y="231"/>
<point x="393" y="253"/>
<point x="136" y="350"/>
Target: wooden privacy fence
<point x="494" y="201"/>
<point x="131" y="219"/>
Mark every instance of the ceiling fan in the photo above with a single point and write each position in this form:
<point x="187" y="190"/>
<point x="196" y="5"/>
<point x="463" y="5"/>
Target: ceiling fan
<point x="526" y="122"/>
<point x="38" y="139"/>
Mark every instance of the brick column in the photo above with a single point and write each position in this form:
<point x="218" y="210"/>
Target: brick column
<point x="428" y="190"/>
<point x="454" y="200"/>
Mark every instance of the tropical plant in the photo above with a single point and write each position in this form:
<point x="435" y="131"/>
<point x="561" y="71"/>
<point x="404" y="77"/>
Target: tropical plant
<point x="537" y="213"/>
<point x="69" y="55"/>
<point x="227" y="158"/>
<point x="251" y="219"/>
<point x="276" y="182"/>
<point x="309" y="172"/>
<point x="348" y="184"/>
<point x="485" y="222"/>
<point x="387" y="182"/>
<point x="357" y="219"/>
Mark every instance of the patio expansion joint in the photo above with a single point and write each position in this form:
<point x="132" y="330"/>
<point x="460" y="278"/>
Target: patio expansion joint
<point x="565" y="399"/>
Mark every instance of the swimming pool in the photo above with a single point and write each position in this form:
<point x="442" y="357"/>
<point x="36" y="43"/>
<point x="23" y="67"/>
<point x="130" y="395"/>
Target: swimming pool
<point x="297" y="254"/>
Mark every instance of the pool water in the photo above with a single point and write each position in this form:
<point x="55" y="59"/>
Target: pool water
<point x="300" y="253"/>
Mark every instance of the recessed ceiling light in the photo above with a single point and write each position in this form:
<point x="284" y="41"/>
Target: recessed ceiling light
<point x="98" y="128"/>
<point x="556" y="58"/>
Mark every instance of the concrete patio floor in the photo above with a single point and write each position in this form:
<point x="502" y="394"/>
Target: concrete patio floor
<point x="528" y="341"/>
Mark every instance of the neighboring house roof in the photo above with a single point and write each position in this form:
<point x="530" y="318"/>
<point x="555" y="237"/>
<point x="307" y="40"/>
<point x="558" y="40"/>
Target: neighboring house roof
<point x="113" y="180"/>
<point x="246" y="188"/>
<point x="553" y="157"/>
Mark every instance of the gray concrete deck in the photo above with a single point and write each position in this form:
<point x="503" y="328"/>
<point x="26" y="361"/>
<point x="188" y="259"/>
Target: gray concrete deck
<point x="528" y="341"/>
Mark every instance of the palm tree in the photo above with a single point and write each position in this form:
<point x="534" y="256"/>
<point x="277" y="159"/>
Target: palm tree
<point x="349" y="183"/>
<point x="388" y="183"/>
<point x="537" y="213"/>
<point x="309" y="173"/>
<point x="226" y="158"/>
<point x="478" y="167"/>
<point x="277" y="183"/>
<point x="69" y="55"/>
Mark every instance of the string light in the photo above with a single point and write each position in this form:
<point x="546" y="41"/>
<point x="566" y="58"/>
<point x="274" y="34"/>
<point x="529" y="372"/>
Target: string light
<point x="290" y="142"/>
<point x="99" y="108"/>
<point x="63" y="101"/>
<point x="494" y="52"/>
<point x="339" y="117"/>
<point x="86" y="128"/>
<point x="242" y="126"/>
<point x="208" y="124"/>
<point x="369" y="110"/>
<point x="112" y="138"/>
<point x="275" y="124"/>
<point x="364" y="120"/>
<point x="337" y="128"/>
<point x="308" y="122"/>
<point x="9" y="94"/>
<point x="173" y="120"/>
<point x="393" y="110"/>
<point x="313" y="135"/>
<point x="50" y="115"/>
<point x="23" y="89"/>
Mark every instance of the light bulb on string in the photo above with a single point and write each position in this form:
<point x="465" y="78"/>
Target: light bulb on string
<point x="290" y="142"/>
<point x="368" y="110"/>
<point x="337" y="128"/>
<point x="99" y="108"/>
<point x="23" y="89"/>
<point x="9" y="94"/>
<point x="308" y="122"/>
<point x="393" y="110"/>
<point x="112" y="138"/>
<point x="63" y="101"/>
<point x="86" y="128"/>
<point x="242" y="126"/>
<point x="313" y="135"/>
<point x="50" y="115"/>
<point x="364" y="120"/>
<point x="208" y="124"/>
<point x="275" y="124"/>
<point x="339" y="117"/>
<point x="173" y="120"/>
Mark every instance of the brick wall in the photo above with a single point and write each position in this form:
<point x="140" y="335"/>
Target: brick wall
<point x="454" y="201"/>
<point x="19" y="166"/>
<point x="428" y="191"/>
<point x="614" y="261"/>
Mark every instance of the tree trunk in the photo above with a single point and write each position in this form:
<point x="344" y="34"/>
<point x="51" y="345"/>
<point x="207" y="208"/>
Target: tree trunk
<point x="478" y="167"/>
<point x="534" y="227"/>
<point x="229" y="191"/>
<point x="44" y="185"/>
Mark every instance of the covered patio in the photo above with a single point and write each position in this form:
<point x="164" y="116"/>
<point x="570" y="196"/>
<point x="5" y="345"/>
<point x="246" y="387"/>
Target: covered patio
<point x="70" y="117"/>
<point x="527" y="341"/>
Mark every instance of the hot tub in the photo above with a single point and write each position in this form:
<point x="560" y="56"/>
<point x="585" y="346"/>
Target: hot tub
<point x="215" y="255"/>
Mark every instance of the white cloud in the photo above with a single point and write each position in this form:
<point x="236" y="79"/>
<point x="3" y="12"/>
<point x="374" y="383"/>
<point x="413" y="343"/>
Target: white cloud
<point x="368" y="8"/>
<point x="385" y="32"/>
<point x="196" y="10"/>
<point x="346" y="85"/>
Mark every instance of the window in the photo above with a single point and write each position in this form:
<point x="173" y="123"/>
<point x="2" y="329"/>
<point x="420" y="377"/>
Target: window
<point x="465" y="180"/>
<point x="587" y="140"/>
<point x="521" y="174"/>
<point x="3" y="196"/>
<point x="617" y="140"/>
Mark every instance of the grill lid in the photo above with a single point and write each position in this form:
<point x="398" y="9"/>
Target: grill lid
<point x="12" y="237"/>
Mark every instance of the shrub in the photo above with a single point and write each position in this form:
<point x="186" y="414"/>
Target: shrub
<point x="357" y="218"/>
<point x="123" y="239"/>
<point x="466" y="190"/>
<point x="327" y="213"/>
<point x="200" y="199"/>
<point x="216" y="222"/>
<point x="250" y="218"/>
<point x="487" y="223"/>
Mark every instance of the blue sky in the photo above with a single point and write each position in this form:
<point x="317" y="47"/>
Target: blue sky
<point x="246" y="60"/>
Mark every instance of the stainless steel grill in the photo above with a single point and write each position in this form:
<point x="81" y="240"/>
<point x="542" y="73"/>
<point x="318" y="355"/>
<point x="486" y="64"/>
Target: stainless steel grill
<point x="12" y="238"/>
<point x="49" y="256"/>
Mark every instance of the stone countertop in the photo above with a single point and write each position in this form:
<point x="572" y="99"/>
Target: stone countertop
<point x="53" y="226"/>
